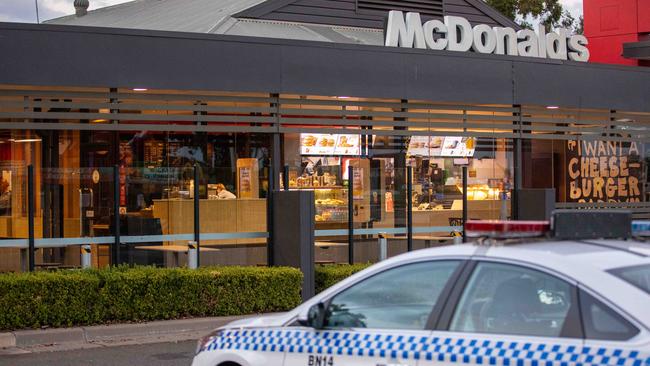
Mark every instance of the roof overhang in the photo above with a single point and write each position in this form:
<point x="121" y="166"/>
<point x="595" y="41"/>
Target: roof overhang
<point x="637" y="50"/>
<point x="52" y="55"/>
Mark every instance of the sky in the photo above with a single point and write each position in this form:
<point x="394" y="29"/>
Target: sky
<point x="25" y="10"/>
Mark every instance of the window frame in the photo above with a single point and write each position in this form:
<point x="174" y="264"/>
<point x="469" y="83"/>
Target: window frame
<point x="583" y="292"/>
<point x="441" y="302"/>
<point x="573" y="327"/>
<point x="618" y="273"/>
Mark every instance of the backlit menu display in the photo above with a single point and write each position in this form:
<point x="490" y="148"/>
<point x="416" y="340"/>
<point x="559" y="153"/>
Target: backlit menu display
<point x="441" y="146"/>
<point x="329" y="144"/>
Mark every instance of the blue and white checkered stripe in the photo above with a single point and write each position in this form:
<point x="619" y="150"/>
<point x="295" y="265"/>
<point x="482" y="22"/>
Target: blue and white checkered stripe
<point x="437" y="349"/>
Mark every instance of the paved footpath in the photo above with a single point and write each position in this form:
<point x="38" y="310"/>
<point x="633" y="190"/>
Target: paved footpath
<point x="163" y="343"/>
<point x="158" y="354"/>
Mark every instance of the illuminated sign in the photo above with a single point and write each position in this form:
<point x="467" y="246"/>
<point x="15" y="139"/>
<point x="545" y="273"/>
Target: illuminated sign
<point x="441" y="146"/>
<point x="328" y="144"/>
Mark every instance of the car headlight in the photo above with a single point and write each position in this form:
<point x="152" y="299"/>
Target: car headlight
<point x="205" y="341"/>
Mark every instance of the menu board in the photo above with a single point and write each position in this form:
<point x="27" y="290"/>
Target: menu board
<point x="347" y="145"/>
<point x="425" y="146"/>
<point x="446" y="146"/>
<point x="329" y="144"/>
<point x="455" y="146"/>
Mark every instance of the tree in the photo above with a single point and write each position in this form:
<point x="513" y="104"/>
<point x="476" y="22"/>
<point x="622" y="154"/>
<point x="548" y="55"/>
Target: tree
<point x="548" y="12"/>
<point x="569" y="22"/>
<point x="580" y="27"/>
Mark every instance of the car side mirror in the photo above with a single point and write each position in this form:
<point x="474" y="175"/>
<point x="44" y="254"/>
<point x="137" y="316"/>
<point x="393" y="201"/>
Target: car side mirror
<point x="315" y="317"/>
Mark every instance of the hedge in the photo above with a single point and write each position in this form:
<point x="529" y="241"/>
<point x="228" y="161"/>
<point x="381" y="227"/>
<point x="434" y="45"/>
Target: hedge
<point x="125" y="294"/>
<point x="84" y="297"/>
<point x="328" y="275"/>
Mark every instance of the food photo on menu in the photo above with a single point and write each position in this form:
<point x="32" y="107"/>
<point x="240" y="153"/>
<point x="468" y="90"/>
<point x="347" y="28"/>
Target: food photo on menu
<point x="317" y="144"/>
<point x="456" y="146"/>
<point x="329" y="144"/>
<point x="435" y="146"/>
<point x="347" y="145"/>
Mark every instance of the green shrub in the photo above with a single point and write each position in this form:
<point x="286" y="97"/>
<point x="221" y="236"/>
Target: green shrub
<point x="328" y="275"/>
<point x="81" y="297"/>
<point x="125" y="294"/>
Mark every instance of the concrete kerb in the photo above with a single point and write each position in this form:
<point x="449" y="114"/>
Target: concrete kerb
<point x="111" y="333"/>
<point x="7" y="340"/>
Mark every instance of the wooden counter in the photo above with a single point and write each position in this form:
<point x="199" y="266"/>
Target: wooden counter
<point x="481" y="210"/>
<point x="216" y="216"/>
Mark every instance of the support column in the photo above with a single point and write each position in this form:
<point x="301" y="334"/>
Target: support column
<point x="30" y="215"/>
<point x="399" y="199"/>
<point x="275" y="165"/>
<point x="517" y="166"/>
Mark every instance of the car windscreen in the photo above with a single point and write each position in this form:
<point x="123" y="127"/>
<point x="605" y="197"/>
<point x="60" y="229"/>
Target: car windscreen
<point x="638" y="276"/>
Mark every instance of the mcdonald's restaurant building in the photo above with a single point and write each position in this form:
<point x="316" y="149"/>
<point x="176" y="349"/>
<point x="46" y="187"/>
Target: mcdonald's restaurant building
<point x="131" y="113"/>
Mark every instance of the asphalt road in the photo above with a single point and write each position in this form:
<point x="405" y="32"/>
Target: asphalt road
<point x="159" y="354"/>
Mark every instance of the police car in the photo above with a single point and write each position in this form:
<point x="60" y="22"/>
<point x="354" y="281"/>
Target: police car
<point x="539" y="303"/>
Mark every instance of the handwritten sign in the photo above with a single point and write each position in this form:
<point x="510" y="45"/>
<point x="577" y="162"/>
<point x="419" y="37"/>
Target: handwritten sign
<point x="604" y="171"/>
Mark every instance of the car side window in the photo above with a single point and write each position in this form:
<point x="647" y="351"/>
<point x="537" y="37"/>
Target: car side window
<point x="508" y="299"/>
<point x="603" y="323"/>
<point x="398" y="298"/>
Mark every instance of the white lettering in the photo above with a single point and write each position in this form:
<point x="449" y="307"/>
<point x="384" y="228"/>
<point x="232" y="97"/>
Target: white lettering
<point x="506" y="38"/>
<point x="556" y="45"/>
<point x="579" y="51"/>
<point x="400" y="34"/>
<point x="485" y="39"/>
<point x="457" y="34"/>
<point x="431" y="28"/>
<point x="541" y="41"/>
<point x="528" y="45"/>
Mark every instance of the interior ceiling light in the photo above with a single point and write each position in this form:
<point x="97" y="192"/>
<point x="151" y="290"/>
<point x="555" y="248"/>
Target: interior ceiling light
<point x="552" y="107"/>
<point x="27" y="140"/>
<point x="140" y="89"/>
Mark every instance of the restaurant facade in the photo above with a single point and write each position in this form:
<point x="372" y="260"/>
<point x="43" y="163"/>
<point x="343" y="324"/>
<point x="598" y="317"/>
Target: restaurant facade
<point x="142" y="128"/>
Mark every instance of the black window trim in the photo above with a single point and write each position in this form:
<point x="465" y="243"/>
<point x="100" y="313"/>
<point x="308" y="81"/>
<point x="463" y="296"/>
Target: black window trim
<point x="612" y="307"/>
<point x="575" y="329"/>
<point x="616" y="272"/>
<point x="462" y="264"/>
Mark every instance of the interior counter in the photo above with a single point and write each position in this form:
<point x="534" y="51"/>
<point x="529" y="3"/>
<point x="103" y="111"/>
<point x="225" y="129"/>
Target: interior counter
<point x="480" y="210"/>
<point x="216" y="216"/>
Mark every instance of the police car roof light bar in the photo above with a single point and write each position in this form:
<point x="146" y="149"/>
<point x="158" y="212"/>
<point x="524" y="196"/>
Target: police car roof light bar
<point x="591" y="224"/>
<point x="503" y="229"/>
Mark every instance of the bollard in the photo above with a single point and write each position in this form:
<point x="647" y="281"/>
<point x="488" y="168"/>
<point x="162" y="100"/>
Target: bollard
<point x="24" y="261"/>
<point x="383" y="247"/>
<point x="192" y="255"/>
<point x="86" y="261"/>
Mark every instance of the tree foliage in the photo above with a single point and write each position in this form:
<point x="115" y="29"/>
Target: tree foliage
<point x="550" y="13"/>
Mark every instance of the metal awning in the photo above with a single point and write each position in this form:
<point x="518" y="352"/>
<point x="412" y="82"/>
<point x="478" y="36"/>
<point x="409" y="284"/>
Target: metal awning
<point x="637" y="50"/>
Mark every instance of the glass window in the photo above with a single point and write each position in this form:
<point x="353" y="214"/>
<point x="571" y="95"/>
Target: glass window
<point x="507" y="299"/>
<point x="399" y="298"/>
<point x="603" y="323"/>
<point x="638" y="276"/>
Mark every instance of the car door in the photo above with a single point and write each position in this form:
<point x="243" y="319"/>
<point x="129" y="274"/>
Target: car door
<point x="508" y="314"/>
<point x="380" y="320"/>
<point x="610" y="338"/>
